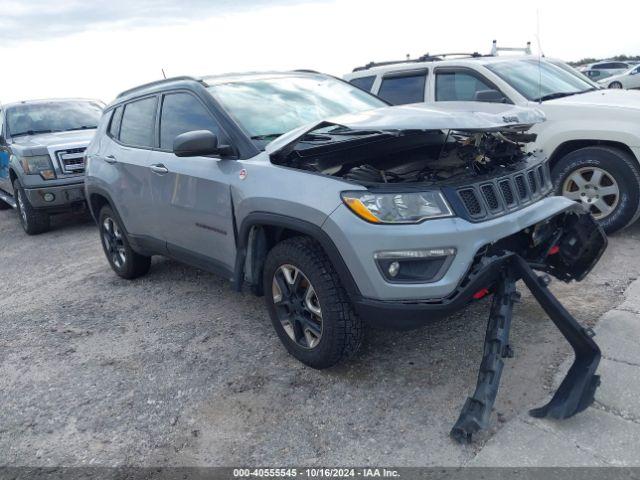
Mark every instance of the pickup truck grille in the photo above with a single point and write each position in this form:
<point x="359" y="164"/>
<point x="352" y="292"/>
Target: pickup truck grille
<point x="493" y="198"/>
<point x="72" y="160"/>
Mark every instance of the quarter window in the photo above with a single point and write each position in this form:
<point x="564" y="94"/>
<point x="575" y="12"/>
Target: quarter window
<point x="182" y="112"/>
<point x="458" y="87"/>
<point x="403" y="89"/>
<point x="364" y="83"/>
<point x="116" y="120"/>
<point x="138" y="121"/>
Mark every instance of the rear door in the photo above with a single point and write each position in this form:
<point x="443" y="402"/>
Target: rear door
<point x="132" y="131"/>
<point x="193" y="194"/>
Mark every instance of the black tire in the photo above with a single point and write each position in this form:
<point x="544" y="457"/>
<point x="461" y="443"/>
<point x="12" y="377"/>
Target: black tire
<point x="615" y="85"/>
<point x="4" y="205"/>
<point x="341" y="329"/>
<point x="115" y="244"/>
<point x="621" y="166"/>
<point x="33" y="221"/>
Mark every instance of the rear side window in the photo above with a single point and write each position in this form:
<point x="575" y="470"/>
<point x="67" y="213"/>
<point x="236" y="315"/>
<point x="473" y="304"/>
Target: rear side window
<point x="138" y="122"/>
<point x="364" y="83"/>
<point x="458" y="87"/>
<point x="182" y="112"/>
<point x="116" y="120"/>
<point x="402" y="89"/>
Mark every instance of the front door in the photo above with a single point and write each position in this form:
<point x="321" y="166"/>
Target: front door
<point x="193" y="193"/>
<point x="4" y="158"/>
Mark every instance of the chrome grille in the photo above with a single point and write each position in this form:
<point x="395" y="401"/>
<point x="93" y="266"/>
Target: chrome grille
<point x="489" y="199"/>
<point x="71" y="160"/>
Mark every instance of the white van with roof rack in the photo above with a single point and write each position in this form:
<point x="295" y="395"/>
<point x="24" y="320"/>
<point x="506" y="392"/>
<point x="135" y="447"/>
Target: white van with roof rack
<point x="591" y="135"/>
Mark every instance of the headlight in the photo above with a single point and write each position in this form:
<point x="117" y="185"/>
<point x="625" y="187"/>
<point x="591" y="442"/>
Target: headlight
<point x="39" y="164"/>
<point x="397" y="207"/>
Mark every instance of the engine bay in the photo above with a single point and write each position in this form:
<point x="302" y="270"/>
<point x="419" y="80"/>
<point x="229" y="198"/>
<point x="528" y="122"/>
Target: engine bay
<point x="407" y="156"/>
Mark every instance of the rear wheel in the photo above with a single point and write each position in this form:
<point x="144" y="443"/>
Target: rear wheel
<point x="33" y="221"/>
<point x="605" y="180"/>
<point x="615" y="85"/>
<point x="308" y="305"/>
<point x="123" y="260"/>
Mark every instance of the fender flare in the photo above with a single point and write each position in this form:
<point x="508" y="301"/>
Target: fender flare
<point x="295" y="224"/>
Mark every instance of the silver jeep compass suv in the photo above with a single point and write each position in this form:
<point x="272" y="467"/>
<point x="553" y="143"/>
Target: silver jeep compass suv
<point x="341" y="210"/>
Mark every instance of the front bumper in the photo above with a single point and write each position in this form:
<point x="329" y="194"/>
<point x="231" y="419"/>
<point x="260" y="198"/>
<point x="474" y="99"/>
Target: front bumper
<point x="405" y="306"/>
<point x="60" y="197"/>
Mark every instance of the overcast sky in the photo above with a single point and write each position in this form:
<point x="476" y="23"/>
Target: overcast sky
<point x="98" y="48"/>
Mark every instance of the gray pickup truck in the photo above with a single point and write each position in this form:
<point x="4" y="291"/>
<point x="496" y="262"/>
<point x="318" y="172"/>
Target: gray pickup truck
<point x="42" y="146"/>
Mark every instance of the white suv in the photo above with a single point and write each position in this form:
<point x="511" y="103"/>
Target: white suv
<point x="592" y="135"/>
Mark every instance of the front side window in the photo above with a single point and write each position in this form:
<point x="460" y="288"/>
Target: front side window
<point x="182" y="112"/>
<point x="268" y="106"/>
<point x="459" y="86"/>
<point x="55" y="116"/>
<point x="403" y="89"/>
<point x="540" y="80"/>
<point x="364" y="83"/>
<point x="138" y="122"/>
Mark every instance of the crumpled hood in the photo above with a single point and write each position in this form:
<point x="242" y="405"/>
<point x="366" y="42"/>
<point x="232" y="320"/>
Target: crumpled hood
<point x="45" y="142"/>
<point x="627" y="99"/>
<point x="464" y="116"/>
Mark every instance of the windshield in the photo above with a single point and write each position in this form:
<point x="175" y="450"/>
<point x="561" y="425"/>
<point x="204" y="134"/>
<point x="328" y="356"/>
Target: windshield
<point x="540" y="80"/>
<point x="45" y="117"/>
<point x="270" y="106"/>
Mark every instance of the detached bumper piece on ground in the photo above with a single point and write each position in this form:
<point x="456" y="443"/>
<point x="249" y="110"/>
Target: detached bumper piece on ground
<point x="584" y="243"/>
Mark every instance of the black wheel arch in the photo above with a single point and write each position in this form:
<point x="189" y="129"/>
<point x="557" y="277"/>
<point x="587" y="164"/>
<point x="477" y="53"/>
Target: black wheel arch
<point x="260" y="231"/>
<point x="569" y="146"/>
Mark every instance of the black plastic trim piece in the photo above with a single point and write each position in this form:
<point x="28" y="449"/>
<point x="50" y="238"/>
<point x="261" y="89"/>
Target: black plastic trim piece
<point x="306" y="228"/>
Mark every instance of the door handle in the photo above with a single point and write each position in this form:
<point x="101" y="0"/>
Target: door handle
<point x="110" y="159"/>
<point x="159" y="169"/>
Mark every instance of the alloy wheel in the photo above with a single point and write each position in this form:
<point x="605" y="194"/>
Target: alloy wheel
<point x="615" y="85"/>
<point x="297" y="306"/>
<point x="595" y="188"/>
<point x="113" y="242"/>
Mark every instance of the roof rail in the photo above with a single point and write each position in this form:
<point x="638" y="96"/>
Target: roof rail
<point x="157" y="82"/>
<point x="495" y="49"/>
<point x="423" y="58"/>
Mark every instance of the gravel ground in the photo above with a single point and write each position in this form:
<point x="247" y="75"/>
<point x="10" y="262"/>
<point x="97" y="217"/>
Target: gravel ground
<point x="178" y="369"/>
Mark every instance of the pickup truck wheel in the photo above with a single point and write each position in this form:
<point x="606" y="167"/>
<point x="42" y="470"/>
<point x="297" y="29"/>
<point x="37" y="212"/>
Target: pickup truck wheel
<point x="605" y="180"/>
<point x="33" y="221"/>
<point x="615" y="85"/>
<point x="309" y="308"/>
<point x="123" y="260"/>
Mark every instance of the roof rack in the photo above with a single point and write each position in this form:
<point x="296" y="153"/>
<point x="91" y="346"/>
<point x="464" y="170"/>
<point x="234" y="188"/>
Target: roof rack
<point x="157" y="82"/>
<point x="495" y="49"/>
<point x="442" y="56"/>
<point x="427" y="57"/>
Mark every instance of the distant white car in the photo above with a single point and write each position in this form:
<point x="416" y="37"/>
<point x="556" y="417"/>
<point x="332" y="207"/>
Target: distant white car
<point x="591" y="135"/>
<point x="628" y="79"/>
<point x="608" y="67"/>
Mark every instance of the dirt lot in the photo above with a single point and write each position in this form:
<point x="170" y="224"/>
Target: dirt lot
<point x="178" y="369"/>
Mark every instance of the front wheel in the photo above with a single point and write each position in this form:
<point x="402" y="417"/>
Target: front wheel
<point x="33" y="221"/>
<point x="308" y="305"/>
<point x="617" y="85"/>
<point x="605" y="180"/>
<point x="123" y="260"/>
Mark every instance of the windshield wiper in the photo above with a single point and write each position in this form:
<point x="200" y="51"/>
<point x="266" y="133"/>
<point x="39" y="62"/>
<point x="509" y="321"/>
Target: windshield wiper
<point x="33" y="132"/>
<point x="266" y="136"/>
<point x="555" y="95"/>
<point x="83" y="127"/>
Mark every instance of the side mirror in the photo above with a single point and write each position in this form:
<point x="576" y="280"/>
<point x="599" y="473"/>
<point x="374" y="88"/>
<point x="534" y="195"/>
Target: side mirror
<point x="199" y="143"/>
<point x="490" y="96"/>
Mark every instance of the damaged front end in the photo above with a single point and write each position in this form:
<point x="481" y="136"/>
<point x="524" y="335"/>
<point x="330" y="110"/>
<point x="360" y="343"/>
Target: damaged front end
<point x="473" y="166"/>
<point x="566" y="246"/>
